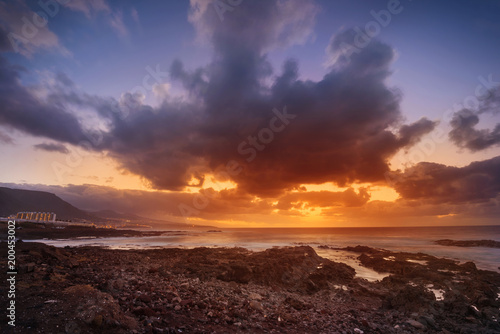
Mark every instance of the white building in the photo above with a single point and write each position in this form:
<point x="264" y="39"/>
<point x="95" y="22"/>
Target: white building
<point x="37" y="216"/>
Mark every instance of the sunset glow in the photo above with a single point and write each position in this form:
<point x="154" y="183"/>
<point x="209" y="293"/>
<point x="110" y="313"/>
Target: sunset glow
<point x="283" y="113"/>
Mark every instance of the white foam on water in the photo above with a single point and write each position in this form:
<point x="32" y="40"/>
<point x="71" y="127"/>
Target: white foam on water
<point x="350" y="258"/>
<point x="412" y="240"/>
<point x="439" y="293"/>
<point x="341" y="287"/>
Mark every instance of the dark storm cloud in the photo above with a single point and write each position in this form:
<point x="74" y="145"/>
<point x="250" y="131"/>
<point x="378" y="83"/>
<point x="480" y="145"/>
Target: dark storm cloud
<point x="464" y="123"/>
<point x="339" y="128"/>
<point x="22" y="109"/>
<point x="52" y="147"/>
<point x="411" y="134"/>
<point x="195" y="83"/>
<point x="436" y="183"/>
<point x="282" y="130"/>
<point x="465" y="134"/>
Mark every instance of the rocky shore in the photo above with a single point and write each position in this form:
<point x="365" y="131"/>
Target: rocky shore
<point x="34" y="231"/>
<point x="233" y="290"/>
<point x="469" y="243"/>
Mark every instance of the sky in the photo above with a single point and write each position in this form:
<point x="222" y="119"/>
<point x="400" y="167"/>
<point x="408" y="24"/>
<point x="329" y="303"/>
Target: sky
<point x="262" y="113"/>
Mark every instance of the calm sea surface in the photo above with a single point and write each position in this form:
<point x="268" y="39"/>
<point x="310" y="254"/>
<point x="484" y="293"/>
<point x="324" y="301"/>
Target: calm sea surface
<point x="409" y="239"/>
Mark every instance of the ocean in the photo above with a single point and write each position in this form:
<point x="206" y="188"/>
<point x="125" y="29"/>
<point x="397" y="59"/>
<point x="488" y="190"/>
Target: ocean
<point x="407" y="239"/>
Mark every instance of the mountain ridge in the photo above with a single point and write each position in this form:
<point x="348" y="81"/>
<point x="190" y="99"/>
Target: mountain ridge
<point x="13" y="201"/>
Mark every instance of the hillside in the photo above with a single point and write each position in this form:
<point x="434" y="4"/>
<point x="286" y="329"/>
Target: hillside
<point x="17" y="200"/>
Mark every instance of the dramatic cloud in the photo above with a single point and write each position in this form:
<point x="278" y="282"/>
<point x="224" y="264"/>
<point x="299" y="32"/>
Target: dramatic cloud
<point x="345" y="207"/>
<point x="25" y="111"/>
<point x="52" y="147"/>
<point x="411" y="134"/>
<point x="267" y="132"/>
<point x="263" y="131"/>
<point x="418" y="213"/>
<point x="464" y="123"/>
<point x="224" y="204"/>
<point x="437" y="184"/>
<point x="465" y="134"/>
<point x="338" y="129"/>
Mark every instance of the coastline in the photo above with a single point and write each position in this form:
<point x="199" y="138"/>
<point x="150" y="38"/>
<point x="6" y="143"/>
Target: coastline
<point x="33" y="231"/>
<point x="289" y="289"/>
<point x="399" y="240"/>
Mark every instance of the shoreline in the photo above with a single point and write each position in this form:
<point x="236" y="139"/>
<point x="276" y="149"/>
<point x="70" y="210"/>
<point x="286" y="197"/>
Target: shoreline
<point x="34" y="231"/>
<point x="290" y="289"/>
<point x="469" y="243"/>
<point x="76" y="236"/>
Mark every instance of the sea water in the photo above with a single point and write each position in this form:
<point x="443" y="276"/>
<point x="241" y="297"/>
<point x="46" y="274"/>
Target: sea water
<point x="407" y="239"/>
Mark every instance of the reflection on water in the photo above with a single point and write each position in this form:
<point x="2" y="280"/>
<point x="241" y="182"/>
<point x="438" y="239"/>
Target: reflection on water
<point x="350" y="258"/>
<point x="414" y="239"/>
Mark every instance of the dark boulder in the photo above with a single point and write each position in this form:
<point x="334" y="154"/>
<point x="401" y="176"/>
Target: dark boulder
<point x="411" y="299"/>
<point x="236" y="272"/>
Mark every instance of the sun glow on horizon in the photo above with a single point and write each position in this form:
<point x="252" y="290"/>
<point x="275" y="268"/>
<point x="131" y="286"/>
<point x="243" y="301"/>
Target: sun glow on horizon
<point x="377" y="192"/>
